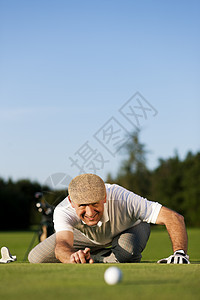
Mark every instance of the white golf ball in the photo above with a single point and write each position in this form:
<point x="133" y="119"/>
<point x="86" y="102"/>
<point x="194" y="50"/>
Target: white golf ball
<point x="113" y="275"/>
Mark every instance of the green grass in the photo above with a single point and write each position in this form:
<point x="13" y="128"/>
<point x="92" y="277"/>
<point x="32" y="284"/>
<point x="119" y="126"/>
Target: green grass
<point x="148" y="280"/>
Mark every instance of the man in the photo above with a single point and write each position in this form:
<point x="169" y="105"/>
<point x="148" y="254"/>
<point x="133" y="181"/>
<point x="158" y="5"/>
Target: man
<point x="106" y="223"/>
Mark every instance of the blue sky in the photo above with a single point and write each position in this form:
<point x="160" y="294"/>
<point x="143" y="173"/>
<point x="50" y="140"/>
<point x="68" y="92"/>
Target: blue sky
<point x="67" y="67"/>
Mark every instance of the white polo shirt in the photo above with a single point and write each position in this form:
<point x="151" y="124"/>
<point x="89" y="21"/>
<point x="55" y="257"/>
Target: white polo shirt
<point x="123" y="209"/>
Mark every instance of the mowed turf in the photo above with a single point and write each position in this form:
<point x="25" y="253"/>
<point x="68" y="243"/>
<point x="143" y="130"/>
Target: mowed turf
<point x="147" y="280"/>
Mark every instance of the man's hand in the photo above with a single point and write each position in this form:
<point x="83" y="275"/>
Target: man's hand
<point x="179" y="257"/>
<point x="81" y="257"/>
<point x="65" y="252"/>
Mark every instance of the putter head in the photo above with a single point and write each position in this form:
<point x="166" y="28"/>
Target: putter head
<point x="6" y="256"/>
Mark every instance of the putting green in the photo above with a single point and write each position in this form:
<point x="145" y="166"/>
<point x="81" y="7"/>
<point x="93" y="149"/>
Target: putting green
<point x="58" y="281"/>
<point x="146" y="280"/>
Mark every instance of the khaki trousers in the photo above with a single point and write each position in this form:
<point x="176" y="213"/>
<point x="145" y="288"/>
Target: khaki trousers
<point x="125" y="248"/>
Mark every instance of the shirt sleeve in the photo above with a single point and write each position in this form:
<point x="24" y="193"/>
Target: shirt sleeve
<point x="64" y="217"/>
<point x="138" y="208"/>
<point x="143" y="209"/>
<point x="155" y="209"/>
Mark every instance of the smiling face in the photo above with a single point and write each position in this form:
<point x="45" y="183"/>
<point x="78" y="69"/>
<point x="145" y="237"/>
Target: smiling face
<point x="90" y="213"/>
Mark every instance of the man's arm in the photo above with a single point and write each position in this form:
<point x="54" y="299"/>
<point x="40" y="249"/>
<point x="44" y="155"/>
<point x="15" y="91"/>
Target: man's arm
<point x="64" y="249"/>
<point x="64" y="246"/>
<point x="175" y="226"/>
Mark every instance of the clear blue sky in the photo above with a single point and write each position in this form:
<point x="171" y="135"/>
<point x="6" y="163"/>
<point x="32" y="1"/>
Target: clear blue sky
<point x="67" y="67"/>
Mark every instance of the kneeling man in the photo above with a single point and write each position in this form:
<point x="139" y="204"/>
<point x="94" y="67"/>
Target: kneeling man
<point x="105" y="223"/>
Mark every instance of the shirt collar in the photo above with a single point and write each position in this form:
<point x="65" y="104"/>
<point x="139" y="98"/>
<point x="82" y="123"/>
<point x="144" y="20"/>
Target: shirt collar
<point x="105" y="217"/>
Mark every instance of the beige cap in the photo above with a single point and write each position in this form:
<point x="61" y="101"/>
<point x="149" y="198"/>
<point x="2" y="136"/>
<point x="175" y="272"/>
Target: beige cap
<point x="87" y="188"/>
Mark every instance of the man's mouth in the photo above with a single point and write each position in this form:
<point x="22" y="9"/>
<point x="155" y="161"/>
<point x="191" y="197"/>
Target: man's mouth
<point x="91" y="218"/>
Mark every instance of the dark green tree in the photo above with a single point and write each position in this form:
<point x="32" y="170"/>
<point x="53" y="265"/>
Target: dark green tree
<point x="176" y="184"/>
<point x="15" y="201"/>
<point x="191" y="188"/>
<point x="133" y="173"/>
<point x="18" y="203"/>
<point x="166" y="183"/>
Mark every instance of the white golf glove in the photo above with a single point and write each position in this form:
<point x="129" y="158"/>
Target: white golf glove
<point x="6" y="256"/>
<point x="179" y="257"/>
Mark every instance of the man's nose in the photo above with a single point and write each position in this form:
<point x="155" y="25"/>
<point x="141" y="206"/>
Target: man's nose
<point x="89" y="210"/>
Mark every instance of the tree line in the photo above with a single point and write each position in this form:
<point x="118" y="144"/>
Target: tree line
<point x="174" y="183"/>
<point x="18" y="210"/>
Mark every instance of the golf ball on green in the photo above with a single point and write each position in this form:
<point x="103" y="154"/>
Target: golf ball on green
<point x="113" y="275"/>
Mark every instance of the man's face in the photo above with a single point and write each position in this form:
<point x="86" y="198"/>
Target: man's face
<point x="92" y="213"/>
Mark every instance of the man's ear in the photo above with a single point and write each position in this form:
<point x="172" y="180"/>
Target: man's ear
<point x="105" y="199"/>
<point x="71" y="202"/>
